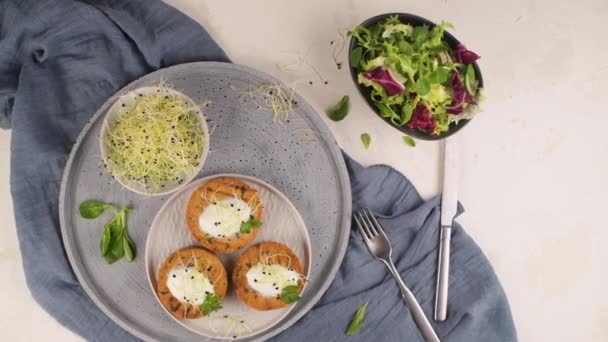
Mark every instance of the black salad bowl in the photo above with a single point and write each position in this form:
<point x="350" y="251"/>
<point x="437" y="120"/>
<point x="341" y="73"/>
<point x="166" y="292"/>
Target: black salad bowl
<point x="365" y="91"/>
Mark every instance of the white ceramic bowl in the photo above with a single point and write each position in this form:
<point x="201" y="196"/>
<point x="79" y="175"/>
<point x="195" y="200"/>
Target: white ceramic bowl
<point x="127" y="99"/>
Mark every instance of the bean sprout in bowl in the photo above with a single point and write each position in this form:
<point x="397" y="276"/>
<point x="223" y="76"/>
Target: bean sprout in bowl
<point x="154" y="140"/>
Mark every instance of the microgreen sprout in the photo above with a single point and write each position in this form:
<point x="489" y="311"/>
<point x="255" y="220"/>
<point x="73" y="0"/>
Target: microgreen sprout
<point x="155" y="140"/>
<point x="277" y="98"/>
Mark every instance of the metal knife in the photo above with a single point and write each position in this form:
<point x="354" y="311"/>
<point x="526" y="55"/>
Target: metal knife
<point x="449" y="204"/>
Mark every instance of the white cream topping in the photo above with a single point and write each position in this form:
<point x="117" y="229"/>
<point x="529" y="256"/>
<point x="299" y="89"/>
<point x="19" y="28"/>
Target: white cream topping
<point x="224" y="218"/>
<point x="189" y="285"/>
<point x="269" y="280"/>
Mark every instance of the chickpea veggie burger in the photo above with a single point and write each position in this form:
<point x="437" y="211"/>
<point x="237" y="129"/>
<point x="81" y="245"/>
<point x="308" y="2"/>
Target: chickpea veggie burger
<point x="268" y="276"/>
<point x="192" y="283"/>
<point x="224" y="214"/>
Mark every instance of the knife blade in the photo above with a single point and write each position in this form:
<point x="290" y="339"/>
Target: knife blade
<point x="449" y="205"/>
<point x="449" y="198"/>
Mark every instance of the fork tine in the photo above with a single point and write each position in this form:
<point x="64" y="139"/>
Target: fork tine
<point x="361" y="229"/>
<point x="372" y="227"/>
<point x="367" y="225"/>
<point x="376" y="223"/>
<point x="364" y="227"/>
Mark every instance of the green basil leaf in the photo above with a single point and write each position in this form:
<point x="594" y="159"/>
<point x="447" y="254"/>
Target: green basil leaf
<point x="357" y="322"/>
<point x="252" y="223"/>
<point x="339" y="111"/>
<point x="423" y="86"/>
<point x="366" y="140"/>
<point x="116" y="249"/>
<point x="289" y="294"/>
<point x="92" y="209"/>
<point x="406" y="113"/>
<point x="129" y="247"/>
<point x="105" y="240"/>
<point x="409" y="141"/>
<point x="439" y="76"/>
<point x="211" y="303"/>
<point x="355" y="57"/>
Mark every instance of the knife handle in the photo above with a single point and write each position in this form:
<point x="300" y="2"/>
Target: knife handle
<point x="443" y="273"/>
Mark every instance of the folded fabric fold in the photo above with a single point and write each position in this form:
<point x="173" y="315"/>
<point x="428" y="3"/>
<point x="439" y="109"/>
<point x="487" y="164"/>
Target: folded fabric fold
<point x="478" y="307"/>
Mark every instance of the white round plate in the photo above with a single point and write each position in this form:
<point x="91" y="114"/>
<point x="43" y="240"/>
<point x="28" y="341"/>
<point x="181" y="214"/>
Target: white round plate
<point x="282" y="223"/>
<point x="126" y="100"/>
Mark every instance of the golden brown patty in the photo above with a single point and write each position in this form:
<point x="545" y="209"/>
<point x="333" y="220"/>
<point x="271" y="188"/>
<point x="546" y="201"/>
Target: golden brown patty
<point x="199" y="260"/>
<point x="216" y="190"/>
<point x="279" y="254"/>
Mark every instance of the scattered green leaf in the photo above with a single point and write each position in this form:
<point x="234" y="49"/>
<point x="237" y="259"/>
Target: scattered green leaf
<point x="339" y="111"/>
<point x="357" y="322"/>
<point x="115" y="242"/>
<point x="355" y="57"/>
<point x="247" y="226"/>
<point x="366" y="140"/>
<point x="409" y="141"/>
<point x="105" y="240"/>
<point x="211" y="303"/>
<point x="128" y="246"/>
<point x="289" y="294"/>
<point x="115" y="250"/>
<point x="93" y="209"/>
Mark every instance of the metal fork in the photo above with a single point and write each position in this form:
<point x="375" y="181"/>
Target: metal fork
<point x="378" y="244"/>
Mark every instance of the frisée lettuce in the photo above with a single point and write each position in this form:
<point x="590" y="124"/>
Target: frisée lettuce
<point x="415" y="78"/>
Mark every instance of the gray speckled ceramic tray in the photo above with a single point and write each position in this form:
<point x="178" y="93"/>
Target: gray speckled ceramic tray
<point x="301" y="159"/>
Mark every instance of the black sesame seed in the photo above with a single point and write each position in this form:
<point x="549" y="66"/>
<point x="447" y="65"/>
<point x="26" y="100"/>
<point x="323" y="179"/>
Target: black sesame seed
<point x="192" y="277"/>
<point x="310" y="82"/>
<point x="255" y="280"/>
<point x="242" y="321"/>
<point x="174" y="276"/>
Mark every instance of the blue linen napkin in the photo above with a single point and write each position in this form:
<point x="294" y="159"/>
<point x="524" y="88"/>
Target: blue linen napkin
<point x="60" y="60"/>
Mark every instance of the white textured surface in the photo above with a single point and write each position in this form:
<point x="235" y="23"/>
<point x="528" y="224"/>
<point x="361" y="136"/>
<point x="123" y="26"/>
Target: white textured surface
<point x="533" y="163"/>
